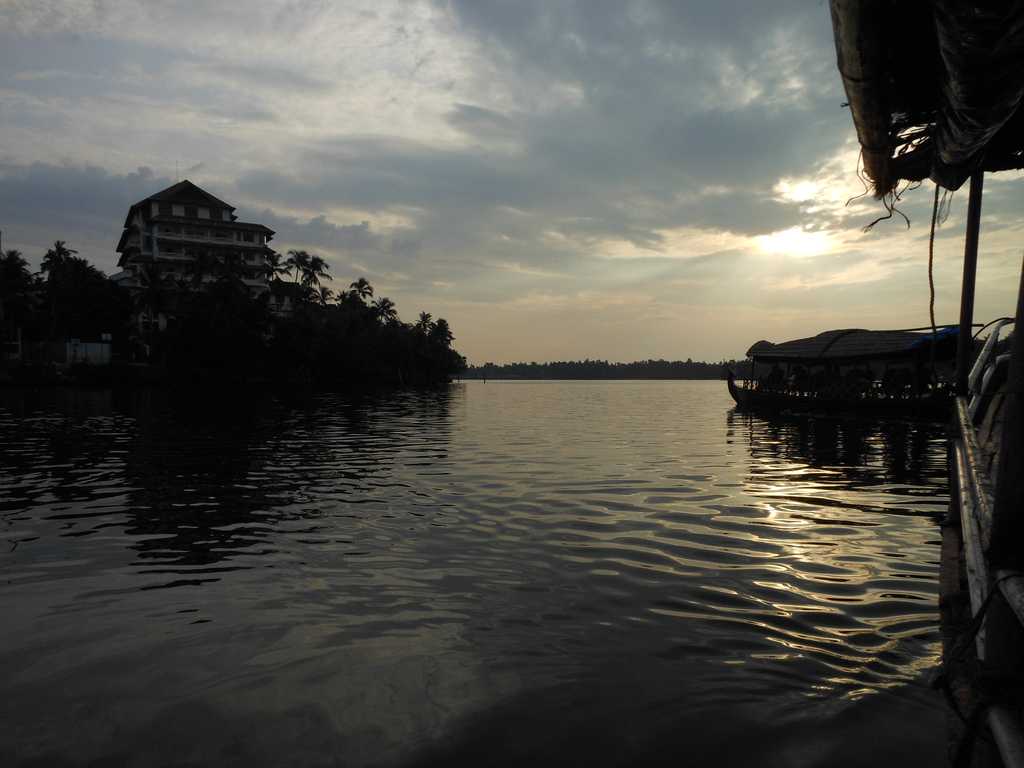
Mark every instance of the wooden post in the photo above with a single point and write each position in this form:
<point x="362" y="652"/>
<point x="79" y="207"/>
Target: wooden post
<point x="1007" y="523"/>
<point x="965" y="343"/>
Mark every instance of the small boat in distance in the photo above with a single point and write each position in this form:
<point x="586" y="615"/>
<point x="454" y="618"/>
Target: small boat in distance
<point x="852" y="371"/>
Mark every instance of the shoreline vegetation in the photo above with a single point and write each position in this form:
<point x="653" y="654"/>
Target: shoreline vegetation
<point x="208" y="329"/>
<point x="588" y="370"/>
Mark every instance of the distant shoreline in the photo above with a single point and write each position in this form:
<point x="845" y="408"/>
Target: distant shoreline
<point x="602" y="370"/>
<point x="465" y="377"/>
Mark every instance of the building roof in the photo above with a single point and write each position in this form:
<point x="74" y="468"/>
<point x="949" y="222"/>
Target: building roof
<point x="186" y="192"/>
<point x="935" y="87"/>
<point x="853" y="344"/>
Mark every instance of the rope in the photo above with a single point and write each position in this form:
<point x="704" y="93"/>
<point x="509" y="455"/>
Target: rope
<point x="931" y="278"/>
<point x="931" y="264"/>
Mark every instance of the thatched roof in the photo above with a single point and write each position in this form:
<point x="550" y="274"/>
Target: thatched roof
<point x="853" y="344"/>
<point x="935" y="86"/>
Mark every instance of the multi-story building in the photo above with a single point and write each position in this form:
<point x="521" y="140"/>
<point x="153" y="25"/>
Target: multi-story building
<point x="186" y="236"/>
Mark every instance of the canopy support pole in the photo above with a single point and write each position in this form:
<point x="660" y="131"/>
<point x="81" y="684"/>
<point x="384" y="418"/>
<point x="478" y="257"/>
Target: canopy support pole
<point x="965" y="343"/>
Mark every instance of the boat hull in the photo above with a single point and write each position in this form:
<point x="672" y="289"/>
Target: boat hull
<point x="936" y="409"/>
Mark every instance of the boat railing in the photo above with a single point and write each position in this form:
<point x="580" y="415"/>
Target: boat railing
<point x="853" y="388"/>
<point x="976" y="498"/>
<point x="979" y="380"/>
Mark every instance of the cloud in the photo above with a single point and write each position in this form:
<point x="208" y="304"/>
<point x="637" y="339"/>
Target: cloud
<point x="492" y="161"/>
<point x="84" y="205"/>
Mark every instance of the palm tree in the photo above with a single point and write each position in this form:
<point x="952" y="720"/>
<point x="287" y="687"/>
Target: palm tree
<point x="55" y="264"/>
<point x="274" y="267"/>
<point x="315" y="269"/>
<point x="324" y="295"/>
<point x="441" y="333"/>
<point x="13" y="265"/>
<point x="386" y="311"/>
<point x="425" y="323"/>
<point x="15" y="280"/>
<point x="153" y="298"/>
<point x="56" y="258"/>
<point x="299" y="262"/>
<point x="231" y="266"/>
<point x="362" y="289"/>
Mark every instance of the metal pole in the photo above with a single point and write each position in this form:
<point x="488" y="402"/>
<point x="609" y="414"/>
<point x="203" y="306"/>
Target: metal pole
<point x="965" y="342"/>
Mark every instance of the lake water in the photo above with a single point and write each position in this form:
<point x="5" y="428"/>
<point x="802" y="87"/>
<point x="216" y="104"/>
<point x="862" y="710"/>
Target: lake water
<point x="596" y="573"/>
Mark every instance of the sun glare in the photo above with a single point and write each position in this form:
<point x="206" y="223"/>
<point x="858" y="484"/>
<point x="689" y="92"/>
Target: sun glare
<point x="795" y="242"/>
<point x="797" y="191"/>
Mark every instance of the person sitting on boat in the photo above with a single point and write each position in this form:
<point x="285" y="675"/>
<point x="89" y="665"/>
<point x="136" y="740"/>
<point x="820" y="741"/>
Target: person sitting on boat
<point x="857" y="382"/>
<point x="801" y="380"/>
<point x="897" y="382"/>
<point x="820" y="382"/>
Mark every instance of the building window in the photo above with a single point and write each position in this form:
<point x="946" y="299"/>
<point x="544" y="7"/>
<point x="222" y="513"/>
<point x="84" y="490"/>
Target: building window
<point x="191" y="212"/>
<point x="178" y="210"/>
<point x="248" y="237"/>
<point x="226" y="215"/>
<point x="204" y="213"/>
<point x="165" y="209"/>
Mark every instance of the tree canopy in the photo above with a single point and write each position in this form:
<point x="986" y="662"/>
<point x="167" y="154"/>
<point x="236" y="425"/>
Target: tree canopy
<point x="296" y="332"/>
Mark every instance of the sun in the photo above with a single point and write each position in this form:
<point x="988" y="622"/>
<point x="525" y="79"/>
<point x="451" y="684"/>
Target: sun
<point x="795" y="242"/>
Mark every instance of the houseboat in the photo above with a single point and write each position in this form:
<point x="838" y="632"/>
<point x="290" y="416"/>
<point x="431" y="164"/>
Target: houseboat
<point x="853" y="372"/>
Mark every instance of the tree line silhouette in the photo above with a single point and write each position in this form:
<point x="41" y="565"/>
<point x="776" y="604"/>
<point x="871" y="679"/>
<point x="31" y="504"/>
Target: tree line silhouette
<point x="601" y="369"/>
<point x="214" y="328"/>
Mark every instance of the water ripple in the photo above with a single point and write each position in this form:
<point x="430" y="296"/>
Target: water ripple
<point x="522" y="535"/>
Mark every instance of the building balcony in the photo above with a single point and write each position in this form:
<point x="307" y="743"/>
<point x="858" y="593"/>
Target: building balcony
<point x="209" y="238"/>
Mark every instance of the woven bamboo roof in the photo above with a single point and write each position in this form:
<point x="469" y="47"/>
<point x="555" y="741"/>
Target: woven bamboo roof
<point x="850" y="345"/>
<point x="935" y="87"/>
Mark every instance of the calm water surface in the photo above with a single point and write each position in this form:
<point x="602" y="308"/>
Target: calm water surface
<point x="506" y="572"/>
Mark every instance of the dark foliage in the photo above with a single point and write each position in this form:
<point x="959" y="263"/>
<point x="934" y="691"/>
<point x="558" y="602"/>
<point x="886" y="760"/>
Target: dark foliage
<point x="216" y="331"/>
<point x="69" y="298"/>
<point x="224" y="335"/>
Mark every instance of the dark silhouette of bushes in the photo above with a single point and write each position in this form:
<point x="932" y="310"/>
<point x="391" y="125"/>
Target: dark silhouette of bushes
<point x="210" y="328"/>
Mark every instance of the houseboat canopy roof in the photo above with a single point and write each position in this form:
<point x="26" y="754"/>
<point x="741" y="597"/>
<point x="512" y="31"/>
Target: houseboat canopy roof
<point x="853" y="345"/>
<point x="935" y="87"/>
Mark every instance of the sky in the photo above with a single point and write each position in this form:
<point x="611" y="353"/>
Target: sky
<point x="604" y="179"/>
